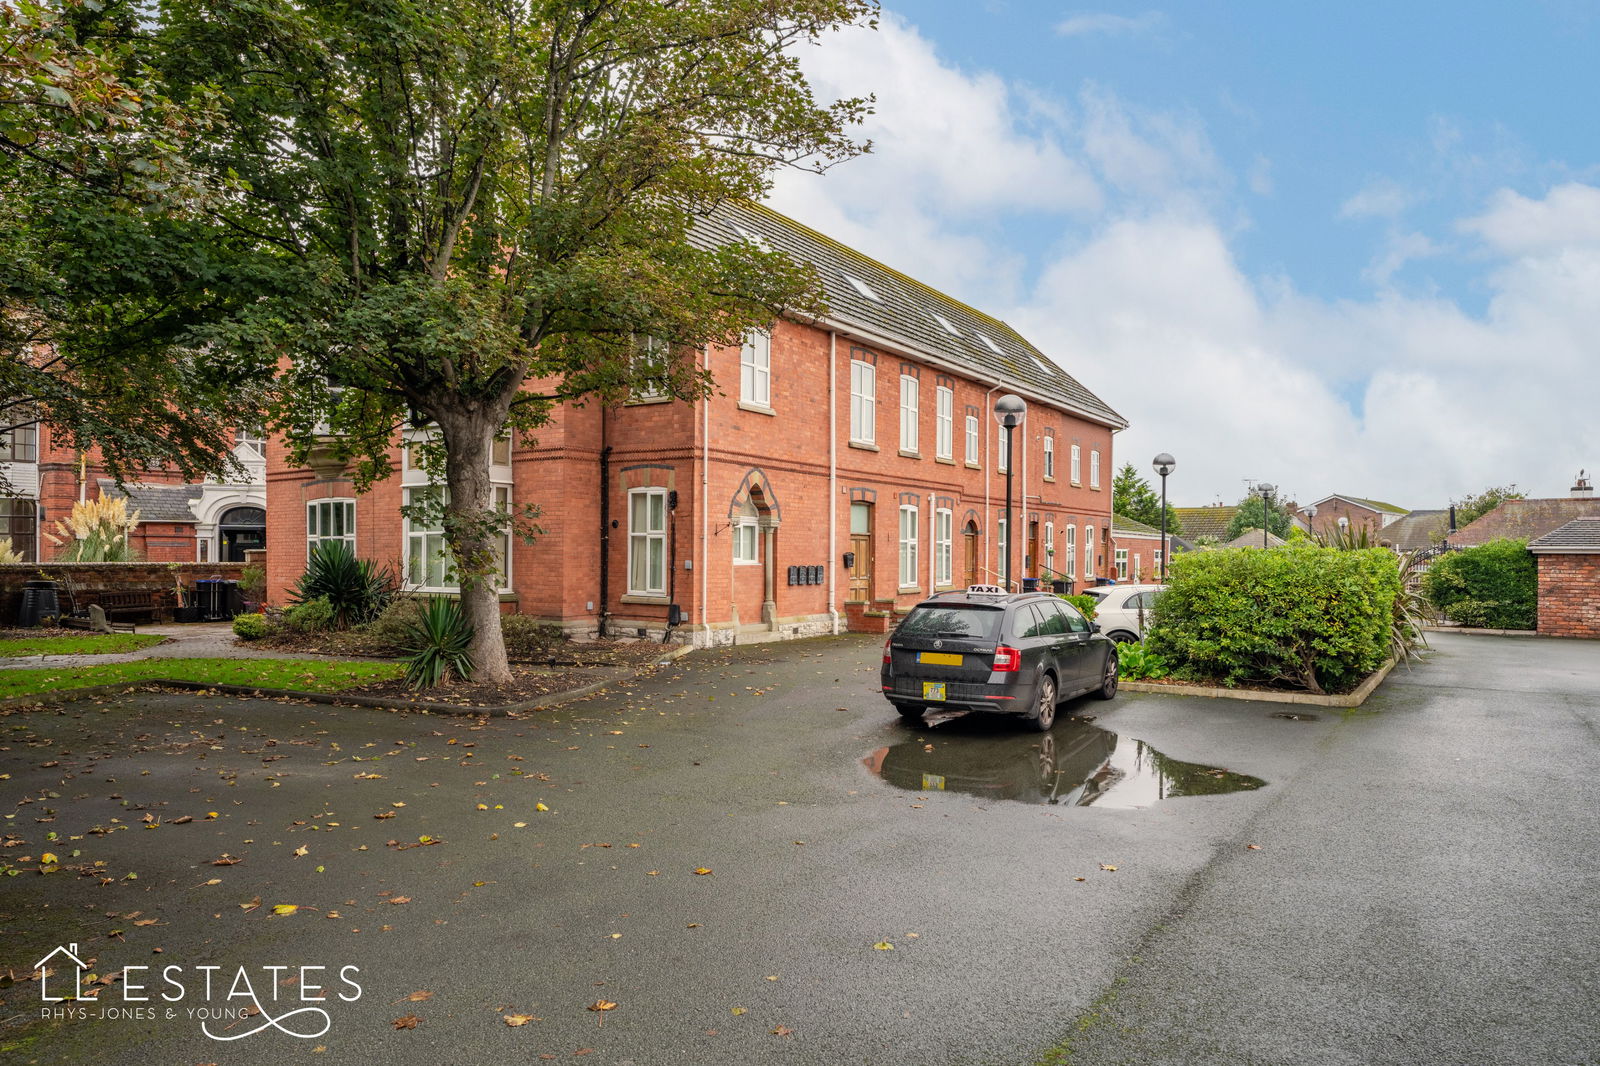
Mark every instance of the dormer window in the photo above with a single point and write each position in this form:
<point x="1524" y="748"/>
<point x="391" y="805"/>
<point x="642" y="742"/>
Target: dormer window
<point x="863" y="288"/>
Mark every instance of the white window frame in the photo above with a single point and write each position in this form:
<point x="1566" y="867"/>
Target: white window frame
<point x="1088" y="560"/>
<point x="1000" y="548"/>
<point x="646" y="352"/>
<point x="908" y="545"/>
<point x="1077" y="465"/>
<point x="1157" y="563"/>
<point x="1120" y="562"/>
<point x="651" y="541"/>
<point x="1050" y="544"/>
<point x="319" y="515"/>
<point x="944" y="527"/>
<point x="755" y="369"/>
<point x="1049" y="456"/>
<point x="1072" y="551"/>
<point x="910" y="411"/>
<point x="1094" y="468"/>
<point x="429" y="540"/>
<point x="863" y="402"/>
<point x="972" y="439"/>
<point x="252" y="440"/>
<point x="746" y="542"/>
<point x="1002" y="451"/>
<point x="944" y="419"/>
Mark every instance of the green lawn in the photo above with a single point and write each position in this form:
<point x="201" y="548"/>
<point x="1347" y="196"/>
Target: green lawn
<point x="87" y="644"/>
<point x="304" y="675"/>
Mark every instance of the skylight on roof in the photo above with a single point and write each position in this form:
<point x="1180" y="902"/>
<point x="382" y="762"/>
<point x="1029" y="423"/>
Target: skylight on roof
<point x="991" y="345"/>
<point x="863" y="288"/>
<point x="753" y="238"/>
<point x="949" y="327"/>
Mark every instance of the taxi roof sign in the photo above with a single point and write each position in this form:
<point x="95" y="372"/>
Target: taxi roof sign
<point x="994" y="590"/>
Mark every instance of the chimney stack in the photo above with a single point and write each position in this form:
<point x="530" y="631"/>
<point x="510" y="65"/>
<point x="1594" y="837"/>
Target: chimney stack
<point x="1582" y="490"/>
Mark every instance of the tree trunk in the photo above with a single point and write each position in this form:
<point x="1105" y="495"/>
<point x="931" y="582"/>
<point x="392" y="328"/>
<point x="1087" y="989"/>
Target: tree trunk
<point x="471" y="538"/>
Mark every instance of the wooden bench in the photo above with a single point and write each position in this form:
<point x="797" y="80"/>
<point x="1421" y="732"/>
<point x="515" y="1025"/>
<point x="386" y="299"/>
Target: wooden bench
<point x="121" y="603"/>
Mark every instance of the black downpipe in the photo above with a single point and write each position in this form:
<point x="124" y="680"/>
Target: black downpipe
<point x="672" y="566"/>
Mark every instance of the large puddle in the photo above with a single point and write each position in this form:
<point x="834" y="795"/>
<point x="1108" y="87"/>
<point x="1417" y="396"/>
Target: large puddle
<point x="1075" y="764"/>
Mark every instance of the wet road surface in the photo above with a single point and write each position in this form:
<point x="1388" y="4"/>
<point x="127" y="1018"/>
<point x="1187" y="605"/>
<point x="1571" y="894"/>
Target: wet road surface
<point x="1421" y="878"/>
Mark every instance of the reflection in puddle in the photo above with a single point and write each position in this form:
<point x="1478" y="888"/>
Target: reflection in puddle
<point x="1075" y="764"/>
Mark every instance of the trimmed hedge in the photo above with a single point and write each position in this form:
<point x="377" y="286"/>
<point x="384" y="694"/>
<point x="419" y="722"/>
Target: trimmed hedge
<point x="1492" y="586"/>
<point x="1316" y="618"/>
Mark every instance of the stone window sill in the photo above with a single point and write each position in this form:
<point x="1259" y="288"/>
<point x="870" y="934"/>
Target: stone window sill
<point x="946" y="462"/>
<point x="910" y="454"/>
<point x="756" y="408"/>
<point x="660" y="601"/>
<point x="864" y="445"/>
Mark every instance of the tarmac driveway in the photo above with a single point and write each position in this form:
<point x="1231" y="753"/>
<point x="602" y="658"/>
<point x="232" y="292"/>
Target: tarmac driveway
<point x="1421" y="884"/>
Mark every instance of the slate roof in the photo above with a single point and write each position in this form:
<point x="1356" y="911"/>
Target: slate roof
<point x="1122" y="524"/>
<point x="1206" y="521"/>
<point x="906" y="309"/>
<point x="1525" y="519"/>
<point x="1419" y="529"/>
<point x="1578" y="535"/>
<point x="155" y="503"/>
<point x="1251" y="538"/>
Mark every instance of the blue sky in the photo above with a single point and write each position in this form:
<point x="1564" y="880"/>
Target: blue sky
<point x="1361" y="242"/>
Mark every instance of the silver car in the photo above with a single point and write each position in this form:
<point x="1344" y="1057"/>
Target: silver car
<point x="1124" y="610"/>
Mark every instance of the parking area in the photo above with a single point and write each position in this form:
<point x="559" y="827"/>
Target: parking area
<point x="1416" y="878"/>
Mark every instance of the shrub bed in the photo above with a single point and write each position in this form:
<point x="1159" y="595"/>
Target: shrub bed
<point x="1492" y="586"/>
<point x="1312" y="618"/>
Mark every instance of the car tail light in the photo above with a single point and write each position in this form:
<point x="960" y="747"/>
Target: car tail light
<point x="1007" y="660"/>
<point x="886" y="651"/>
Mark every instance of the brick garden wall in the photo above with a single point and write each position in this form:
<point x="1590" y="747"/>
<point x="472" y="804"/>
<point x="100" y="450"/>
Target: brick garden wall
<point x="1569" y="595"/>
<point x="87" y="579"/>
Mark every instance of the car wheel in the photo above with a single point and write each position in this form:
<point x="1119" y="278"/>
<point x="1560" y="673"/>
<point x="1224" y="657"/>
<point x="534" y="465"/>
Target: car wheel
<point x="1044" y="711"/>
<point x="1124" y="638"/>
<point x="1108" y="679"/>
<point x="910" y="710"/>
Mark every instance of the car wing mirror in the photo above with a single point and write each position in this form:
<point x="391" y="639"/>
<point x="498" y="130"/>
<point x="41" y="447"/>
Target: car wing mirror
<point x="1094" y="627"/>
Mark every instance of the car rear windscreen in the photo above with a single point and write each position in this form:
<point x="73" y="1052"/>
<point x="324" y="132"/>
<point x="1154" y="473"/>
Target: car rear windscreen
<point x="964" y="621"/>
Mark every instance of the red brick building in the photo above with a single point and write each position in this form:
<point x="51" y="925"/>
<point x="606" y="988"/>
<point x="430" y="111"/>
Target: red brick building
<point x="40" y="480"/>
<point x="1136" y="552"/>
<point x="843" y="469"/>
<point x="1569" y="578"/>
<point x="1331" y="514"/>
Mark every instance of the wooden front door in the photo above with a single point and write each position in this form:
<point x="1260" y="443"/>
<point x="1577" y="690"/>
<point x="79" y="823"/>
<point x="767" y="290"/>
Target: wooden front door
<point x="969" y="537"/>
<point x="861" y="546"/>
<point x="1030" y="564"/>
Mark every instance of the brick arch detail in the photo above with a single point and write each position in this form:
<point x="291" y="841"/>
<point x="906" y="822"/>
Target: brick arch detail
<point x="755" y="493"/>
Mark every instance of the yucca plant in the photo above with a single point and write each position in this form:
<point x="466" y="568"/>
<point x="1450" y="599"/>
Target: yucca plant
<point x="96" y="532"/>
<point x="356" y="589"/>
<point x="436" y="644"/>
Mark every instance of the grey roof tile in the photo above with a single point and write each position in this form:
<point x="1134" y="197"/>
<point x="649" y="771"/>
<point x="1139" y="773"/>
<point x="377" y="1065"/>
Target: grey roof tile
<point x="907" y="309"/>
<point x="155" y="503"/>
<point x="1580" y="534"/>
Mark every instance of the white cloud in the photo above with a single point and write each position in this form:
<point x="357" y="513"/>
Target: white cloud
<point x="1406" y="397"/>
<point x="1087" y="22"/>
<point x="1382" y="198"/>
<point x="1515" y="225"/>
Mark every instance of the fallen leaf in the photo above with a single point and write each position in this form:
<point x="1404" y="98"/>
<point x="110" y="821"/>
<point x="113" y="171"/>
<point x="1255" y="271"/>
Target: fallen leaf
<point x="185" y="820"/>
<point x="285" y="908"/>
<point x="702" y="870"/>
<point x="1108" y="869"/>
<point x="740" y="1010"/>
<point x="1253" y="847"/>
<point x="783" y="1030"/>
<point x="540" y="807"/>
<point x="301" y="851"/>
<point x="515" y="1020"/>
<point x="602" y="1004"/>
<point x="400" y="899"/>
<point x="1080" y="879"/>
<point x="408" y="1022"/>
<point x="226" y="860"/>
<point x="883" y="945"/>
<point x="418" y="997"/>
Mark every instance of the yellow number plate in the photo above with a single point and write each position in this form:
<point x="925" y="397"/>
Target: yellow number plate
<point x="938" y="658"/>
<point x="933" y="690"/>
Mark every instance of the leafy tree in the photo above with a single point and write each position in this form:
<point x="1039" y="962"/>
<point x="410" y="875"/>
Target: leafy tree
<point x="1471" y="508"/>
<point x="1132" y="497"/>
<point x="1253" y="511"/>
<point x="105" y="270"/>
<point x="479" y="209"/>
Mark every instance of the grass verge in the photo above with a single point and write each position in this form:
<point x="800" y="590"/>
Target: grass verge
<point x="87" y="644"/>
<point x="304" y="675"/>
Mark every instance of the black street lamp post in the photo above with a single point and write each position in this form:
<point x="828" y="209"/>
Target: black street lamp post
<point x="1266" y="491"/>
<point x="1009" y="411"/>
<point x="1164" y="465"/>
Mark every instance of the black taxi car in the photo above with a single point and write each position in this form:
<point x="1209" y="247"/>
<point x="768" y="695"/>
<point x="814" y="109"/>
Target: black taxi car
<point x="989" y="650"/>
